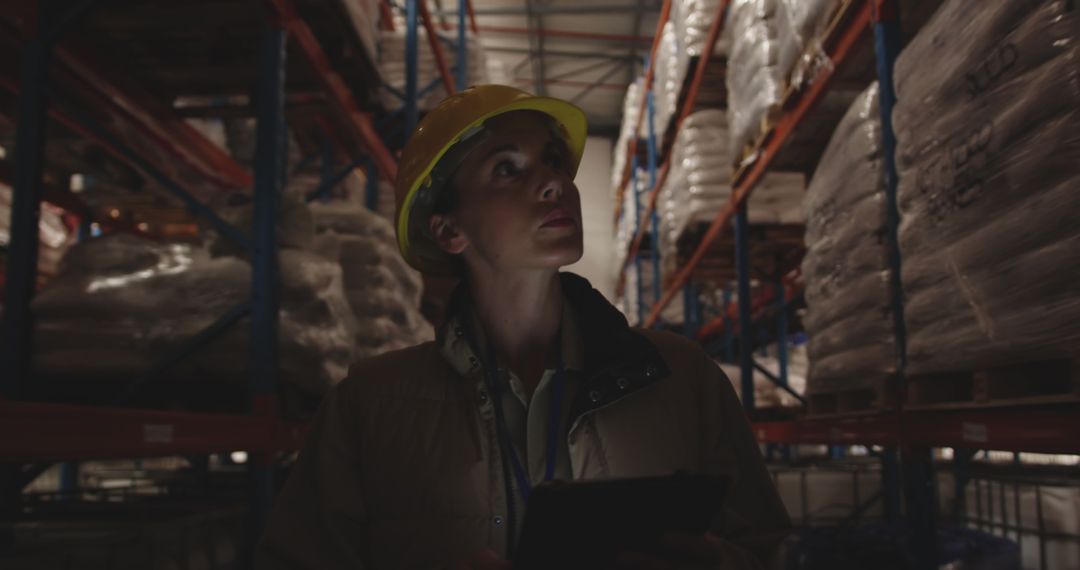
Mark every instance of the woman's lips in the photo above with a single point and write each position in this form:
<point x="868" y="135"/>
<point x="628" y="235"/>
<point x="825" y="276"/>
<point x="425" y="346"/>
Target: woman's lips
<point x="559" y="218"/>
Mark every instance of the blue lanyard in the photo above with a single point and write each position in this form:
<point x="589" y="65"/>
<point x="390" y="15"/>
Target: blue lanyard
<point x="554" y="419"/>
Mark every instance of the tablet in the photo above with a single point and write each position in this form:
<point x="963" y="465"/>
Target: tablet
<point x="584" y="524"/>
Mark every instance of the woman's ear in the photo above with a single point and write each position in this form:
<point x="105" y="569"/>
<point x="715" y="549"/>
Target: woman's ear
<point x="446" y="234"/>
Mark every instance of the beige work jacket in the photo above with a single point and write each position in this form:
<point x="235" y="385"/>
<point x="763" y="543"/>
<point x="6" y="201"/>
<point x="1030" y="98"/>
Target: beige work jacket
<point x="402" y="468"/>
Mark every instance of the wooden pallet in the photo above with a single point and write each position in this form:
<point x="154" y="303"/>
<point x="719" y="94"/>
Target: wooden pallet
<point x="1041" y="382"/>
<point x="855" y="401"/>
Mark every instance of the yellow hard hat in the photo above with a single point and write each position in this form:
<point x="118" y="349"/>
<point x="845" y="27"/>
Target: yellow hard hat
<point x="454" y="120"/>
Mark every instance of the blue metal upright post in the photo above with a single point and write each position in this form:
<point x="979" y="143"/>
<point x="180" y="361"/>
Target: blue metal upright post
<point x="462" y="47"/>
<point x="917" y="467"/>
<point x="22" y="260"/>
<point x="265" y="283"/>
<point x="412" y="113"/>
<point x="746" y="333"/>
<point x="654" y="250"/>
<point x="781" y="332"/>
<point x="729" y="336"/>
<point x="371" y="185"/>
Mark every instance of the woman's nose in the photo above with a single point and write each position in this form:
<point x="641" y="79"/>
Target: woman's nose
<point x="553" y="184"/>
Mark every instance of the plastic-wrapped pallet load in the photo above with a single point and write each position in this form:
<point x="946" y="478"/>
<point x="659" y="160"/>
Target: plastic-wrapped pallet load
<point x="683" y="39"/>
<point x="754" y="77"/>
<point x="625" y="227"/>
<point x="699" y="181"/>
<point x="631" y="110"/>
<point x="122" y="303"/>
<point x="635" y="307"/>
<point x="766" y="392"/>
<point x="988" y="143"/>
<point x="365" y="20"/>
<point x="698" y="185"/>
<point x="53" y="236"/>
<point x="800" y="24"/>
<point x="392" y="67"/>
<point x="848" y="318"/>
<point x="383" y="291"/>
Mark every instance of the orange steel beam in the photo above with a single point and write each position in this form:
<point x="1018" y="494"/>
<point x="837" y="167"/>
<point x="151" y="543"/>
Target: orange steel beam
<point x="341" y="98"/>
<point x="688" y="106"/>
<point x="472" y="16"/>
<point x="716" y="326"/>
<point x="665" y="13"/>
<point x="386" y="16"/>
<point x="436" y="48"/>
<point x="846" y="41"/>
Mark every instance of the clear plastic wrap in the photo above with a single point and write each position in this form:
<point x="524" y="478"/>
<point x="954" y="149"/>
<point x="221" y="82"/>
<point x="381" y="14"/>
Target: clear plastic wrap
<point x="799" y="26"/>
<point x="383" y="291"/>
<point x="848" y="317"/>
<point x="120" y="303"/>
<point x="753" y="78"/>
<point x="988" y="142"/>
<point x="767" y="393"/>
<point x="364" y="15"/>
<point x="54" y="238"/>
<point x="631" y="110"/>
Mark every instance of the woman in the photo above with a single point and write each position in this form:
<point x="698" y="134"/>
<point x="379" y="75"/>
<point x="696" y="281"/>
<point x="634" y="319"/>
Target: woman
<point x="423" y="457"/>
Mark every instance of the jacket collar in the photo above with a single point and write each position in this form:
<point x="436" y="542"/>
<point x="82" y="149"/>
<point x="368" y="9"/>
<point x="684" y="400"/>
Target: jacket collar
<point x="615" y="360"/>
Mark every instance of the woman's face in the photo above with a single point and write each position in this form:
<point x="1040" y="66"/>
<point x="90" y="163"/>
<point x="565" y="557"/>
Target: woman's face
<point x="516" y="206"/>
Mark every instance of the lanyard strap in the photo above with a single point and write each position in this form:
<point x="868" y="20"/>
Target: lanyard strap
<point x="554" y="419"/>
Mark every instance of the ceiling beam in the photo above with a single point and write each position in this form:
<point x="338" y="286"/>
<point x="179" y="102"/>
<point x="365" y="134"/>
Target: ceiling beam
<point x="569" y="34"/>
<point x="557" y="10"/>
<point x="560" y="53"/>
<point x="597" y="83"/>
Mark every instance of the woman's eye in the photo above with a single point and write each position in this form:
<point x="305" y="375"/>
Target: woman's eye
<point x="556" y="159"/>
<point x="506" y="168"/>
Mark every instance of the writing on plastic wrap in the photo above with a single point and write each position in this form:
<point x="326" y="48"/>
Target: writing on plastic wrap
<point x="988" y="140"/>
<point x="849" y="318"/>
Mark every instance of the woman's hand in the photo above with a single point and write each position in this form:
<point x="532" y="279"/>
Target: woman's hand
<point x="485" y="559"/>
<point x="684" y="551"/>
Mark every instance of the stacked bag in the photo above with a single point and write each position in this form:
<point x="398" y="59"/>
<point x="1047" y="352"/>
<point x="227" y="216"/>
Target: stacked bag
<point x="382" y="290"/>
<point x="121" y="303"/>
<point x="682" y="39"/>
<point x="392" y="66"/>
<point x="800" y="24"/>
<point x="698" y="185"/>
<point x="54" y="238"/>
<point x="631" y="110"/>
<point x="698" y="182"/>
<point x="364" y="15"/>
<point x="769" y="43"/>
<point x="754" y="78"/>
<point x="988" y="140"/>
<point x="848" y="318"/>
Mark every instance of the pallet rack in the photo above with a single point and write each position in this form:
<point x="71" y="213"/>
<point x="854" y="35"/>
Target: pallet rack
<point x="906" y="436"/>
<point x="63" y="81"/>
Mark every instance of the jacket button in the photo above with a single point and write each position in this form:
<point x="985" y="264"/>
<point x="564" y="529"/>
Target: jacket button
<point x="650" y="371"/>
<point x="483" y="397"/>
<point x="473" y="361"/>
<point x="497" y="521"/>
<point x="622" y="383"/>
<point x="594" y="396"/>
<point x="458" y="331"/>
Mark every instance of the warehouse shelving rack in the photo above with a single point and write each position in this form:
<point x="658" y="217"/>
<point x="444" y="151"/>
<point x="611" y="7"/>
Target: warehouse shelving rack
<point x="905" y="436"/>
<point x="173" y="155"/>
